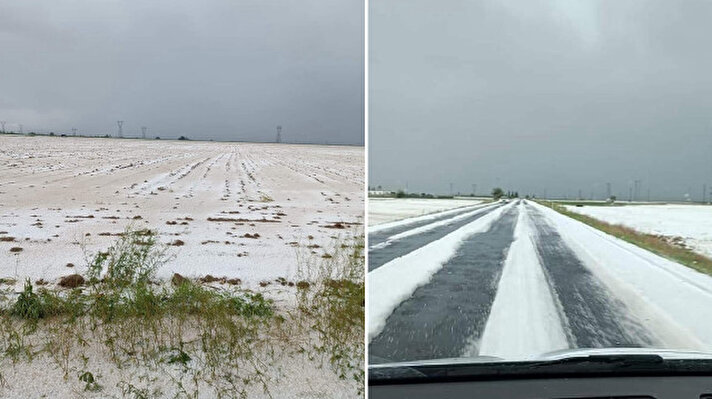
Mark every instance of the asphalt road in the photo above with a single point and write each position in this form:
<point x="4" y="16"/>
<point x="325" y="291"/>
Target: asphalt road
<point x="380" y="254"/>
<point x="440" y="316"/>
<point x="451" y="310"/>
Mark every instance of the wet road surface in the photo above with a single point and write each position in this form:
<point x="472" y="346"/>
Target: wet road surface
<point x="380" y="255"/>
<point x="447" y="316"/>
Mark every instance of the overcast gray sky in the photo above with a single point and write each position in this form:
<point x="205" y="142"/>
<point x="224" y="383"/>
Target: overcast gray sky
<point x="538" y="95"/>
<point x="220" y="69"/>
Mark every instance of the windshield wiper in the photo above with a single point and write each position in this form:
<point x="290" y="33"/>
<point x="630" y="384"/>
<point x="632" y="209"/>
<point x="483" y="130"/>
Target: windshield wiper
<point x="597" y="365"/>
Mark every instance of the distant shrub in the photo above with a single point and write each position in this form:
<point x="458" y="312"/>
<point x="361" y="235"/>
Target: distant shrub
<point x="497" y="193"/>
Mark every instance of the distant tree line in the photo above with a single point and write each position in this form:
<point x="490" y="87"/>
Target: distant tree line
<point x="498" y="193"/>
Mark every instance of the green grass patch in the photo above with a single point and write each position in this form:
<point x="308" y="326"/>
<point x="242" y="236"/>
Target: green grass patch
<point x="222" y="340"/>
<point x="664" y="246"/>
<point x="334" y="305"/>
<point x="121" y="285"/>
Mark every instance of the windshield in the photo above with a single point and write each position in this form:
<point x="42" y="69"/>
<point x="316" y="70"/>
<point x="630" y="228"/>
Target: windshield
<point x="539" y="180"/>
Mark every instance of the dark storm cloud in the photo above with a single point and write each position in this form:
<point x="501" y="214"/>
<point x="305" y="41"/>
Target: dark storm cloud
<point x="541" y="95"/>
<point x="220" y="69"/>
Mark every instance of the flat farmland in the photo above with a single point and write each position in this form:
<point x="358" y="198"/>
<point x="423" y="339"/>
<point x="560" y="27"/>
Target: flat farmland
<point x="238" y="210"/>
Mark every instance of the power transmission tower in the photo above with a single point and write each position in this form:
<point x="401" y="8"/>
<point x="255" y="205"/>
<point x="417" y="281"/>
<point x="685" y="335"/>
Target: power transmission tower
<point x="451" y="189"/>
<point x="74" y="131"/>
<point x="121" y="128"/>
<point x="20" y="128"/>
<point x="279" y="134"/>
<point x="3" y="125"/>
<point x="143" y="131"/>
<point x="608" y="190"/>
<point x="474" y="190"/>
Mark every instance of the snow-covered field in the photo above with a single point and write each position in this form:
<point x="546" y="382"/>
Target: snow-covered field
<point x="693" y="223"/>
<point x="239" y="210"/>
<point x="382" y="210"/>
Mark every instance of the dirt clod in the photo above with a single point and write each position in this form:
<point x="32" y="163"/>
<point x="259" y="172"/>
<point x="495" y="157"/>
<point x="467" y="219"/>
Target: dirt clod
<point x="178" y="280"/>
<point x="209" y="279"/>
<point x="71" y="281"/>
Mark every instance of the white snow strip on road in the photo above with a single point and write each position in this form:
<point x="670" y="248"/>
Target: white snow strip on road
<point x="434" y="225"/>
<point x="394" y="282"/>
<point x="523" y="322"/>
<point x="430" y="216"/>
<point x="672" y="301"/>
<point x="431" y="226"/>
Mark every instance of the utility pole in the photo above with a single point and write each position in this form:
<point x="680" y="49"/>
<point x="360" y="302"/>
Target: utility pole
<point x="20" y="128"/>
<point x="279" y="134"/>
<point x="608" y="190"/>
<point x="630" y="192"/>
<point x="638" y="186"/>
<point x="3" y="125"/>
<point x="121" y="128"/>
<point x="704" y="193"/>
<point x="474" y="190"/>
<point x="74" y="131"/>
<point x="143" y="131"/>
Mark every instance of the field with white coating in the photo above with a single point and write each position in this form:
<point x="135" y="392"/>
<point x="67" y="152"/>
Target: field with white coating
<point x="691" y="223"/>
<point x="266" y="240"/>
<point x="238" y="210"/>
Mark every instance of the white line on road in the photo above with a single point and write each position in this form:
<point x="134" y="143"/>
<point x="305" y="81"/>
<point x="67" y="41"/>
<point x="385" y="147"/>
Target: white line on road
<point x="431" y="226"/>
<point x="430" y="216"/>
<point x="523" y="321"/>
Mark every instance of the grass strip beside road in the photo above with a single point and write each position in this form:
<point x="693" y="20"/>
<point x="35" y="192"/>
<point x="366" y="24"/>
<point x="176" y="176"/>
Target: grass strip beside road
<point x="666" y="247"/>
